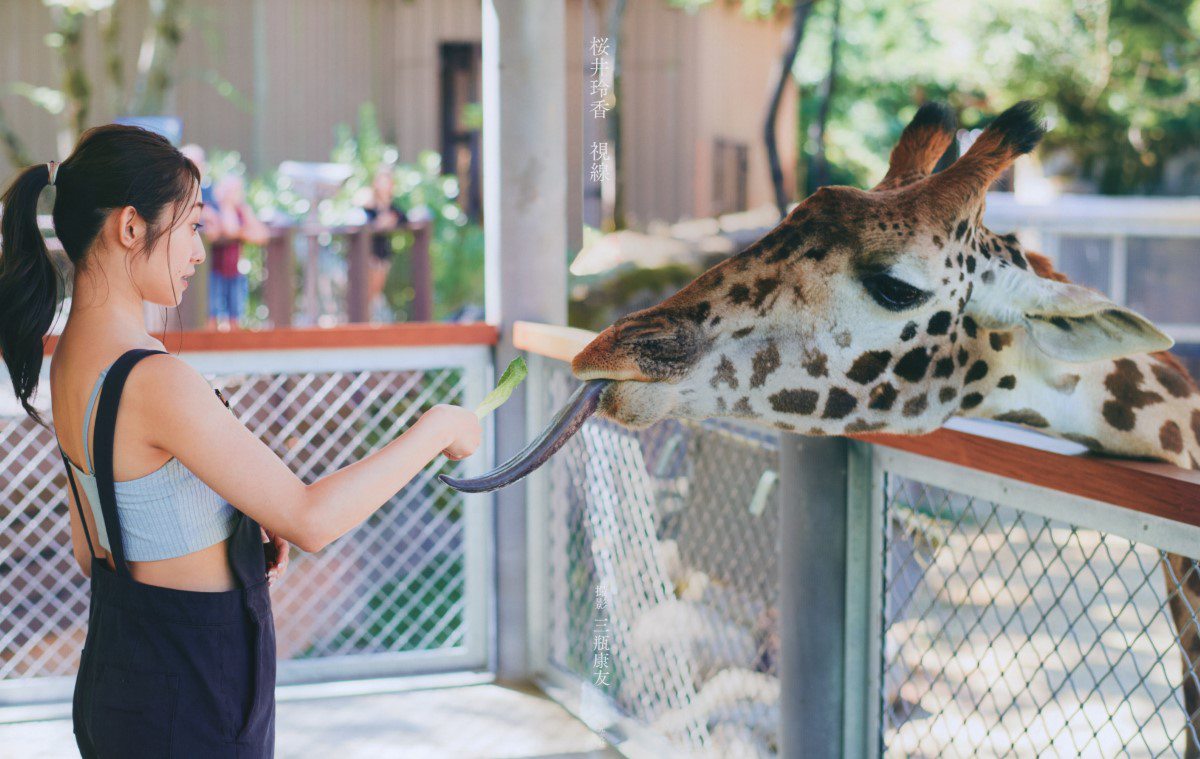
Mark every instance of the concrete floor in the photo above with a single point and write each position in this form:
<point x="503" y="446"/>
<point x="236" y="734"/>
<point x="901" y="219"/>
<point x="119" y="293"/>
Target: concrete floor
<point x="470" y="721"/>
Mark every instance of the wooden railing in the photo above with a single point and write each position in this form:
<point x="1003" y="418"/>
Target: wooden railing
<point x="279" y="287"/>
<point x="279" y="281"/>
<point x="1152" y="488"/>
<point x="342" y="336"/>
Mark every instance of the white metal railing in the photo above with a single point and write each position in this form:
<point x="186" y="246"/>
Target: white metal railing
<point x="406" y="592"/>
<point x="1016" y="619"/>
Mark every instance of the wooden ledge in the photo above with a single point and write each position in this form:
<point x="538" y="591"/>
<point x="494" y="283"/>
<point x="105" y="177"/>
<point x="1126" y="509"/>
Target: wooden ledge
<point x="547" y="340"/>
<point x="422" y="334"/>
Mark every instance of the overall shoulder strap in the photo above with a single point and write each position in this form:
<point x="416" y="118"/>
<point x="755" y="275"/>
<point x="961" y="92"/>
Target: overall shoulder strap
<point x="102" y="448"/>
<point x="78" y="504"/>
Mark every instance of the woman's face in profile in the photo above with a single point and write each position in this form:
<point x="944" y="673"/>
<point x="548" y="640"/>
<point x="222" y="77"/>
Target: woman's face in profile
<point x="161" y="275"/>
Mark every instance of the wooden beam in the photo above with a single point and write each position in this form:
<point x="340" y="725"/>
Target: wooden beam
<point x="341" y="336"/>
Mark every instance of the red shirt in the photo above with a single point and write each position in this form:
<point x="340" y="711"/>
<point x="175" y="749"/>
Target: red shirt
<point x="227" y="253"/>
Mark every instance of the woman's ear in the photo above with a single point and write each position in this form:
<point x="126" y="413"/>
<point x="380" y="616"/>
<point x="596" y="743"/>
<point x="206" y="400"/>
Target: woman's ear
<point x="130" y="227"/>
<point x="1067" y="321"/>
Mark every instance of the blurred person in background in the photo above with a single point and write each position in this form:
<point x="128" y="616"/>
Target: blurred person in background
<point x="384" y="215"/>
<point x="234" y="225"/>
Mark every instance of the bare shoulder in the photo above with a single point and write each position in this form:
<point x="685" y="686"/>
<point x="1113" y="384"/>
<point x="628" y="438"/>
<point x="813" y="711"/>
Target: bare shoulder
<point x="163" y="371"/>
<point x="168" y="387"/>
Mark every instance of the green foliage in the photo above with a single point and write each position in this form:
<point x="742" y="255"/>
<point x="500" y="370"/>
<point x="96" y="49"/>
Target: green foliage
<point x="420" y="611"/>
<point x="456" y="242"/>
<point x="1119" y="80"/>
<point x="597" y="305"/>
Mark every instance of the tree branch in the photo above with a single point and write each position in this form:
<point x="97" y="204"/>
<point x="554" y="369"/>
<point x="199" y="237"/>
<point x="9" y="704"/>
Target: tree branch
<point x="156" y="60"/>
<point x="782" y="73"/>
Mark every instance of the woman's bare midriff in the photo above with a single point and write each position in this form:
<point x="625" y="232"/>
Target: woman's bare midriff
<point x="206" y="570"/>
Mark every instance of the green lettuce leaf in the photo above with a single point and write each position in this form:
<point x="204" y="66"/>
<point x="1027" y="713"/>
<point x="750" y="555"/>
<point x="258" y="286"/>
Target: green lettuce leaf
<point x="513" y="376"/>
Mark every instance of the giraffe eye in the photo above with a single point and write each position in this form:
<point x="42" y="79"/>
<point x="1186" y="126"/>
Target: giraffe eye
<point x="894" y="294"/>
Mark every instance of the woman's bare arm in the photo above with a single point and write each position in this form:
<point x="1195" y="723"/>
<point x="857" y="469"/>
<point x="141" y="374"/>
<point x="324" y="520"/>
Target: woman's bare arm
<point x="185" y="418"/>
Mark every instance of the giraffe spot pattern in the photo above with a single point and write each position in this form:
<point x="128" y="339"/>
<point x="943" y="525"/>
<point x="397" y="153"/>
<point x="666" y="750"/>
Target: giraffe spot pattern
<point x="838" y="404"/>
<point x="1170" y="437"/>
<point x="971" y="400"/>
<point x="970" y="326"/>
<point x="917" y="405"/>
<point x="815" y="363"/>
<point x="909" y="331"/>
<point x="882" y="397"/>
<point x="726" y="372"/>
<point x="944" y="367"/>
<point x="763" y="288"/>
<point x="947" y="394"/>
<point x="912" y="365"/>
<point x="867" y="367"/>
<point x="1007" y="382"/>
<point x="794" y="401"/>
<point x="765" y="362"/>
<point x="1026" y="416"/>
<point x="939" y="323"/>
<point x="978" y="371"/>
<point x="1172" y="381"/>
<point x="1127" y="395"/>
<point x="742" y="407"/>
<point x="862" y="425"/>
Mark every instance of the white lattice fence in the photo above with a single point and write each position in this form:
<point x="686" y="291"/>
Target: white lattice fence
<point x="405" y="591"/>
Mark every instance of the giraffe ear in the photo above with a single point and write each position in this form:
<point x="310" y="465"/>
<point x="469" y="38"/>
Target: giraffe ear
<point x="921" y="144"/>
<point x="1066" y="321"/>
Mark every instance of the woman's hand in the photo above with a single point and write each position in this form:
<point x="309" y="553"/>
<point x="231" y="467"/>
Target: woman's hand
<point x="281" y="549"/>
<point x="460" y="428"/>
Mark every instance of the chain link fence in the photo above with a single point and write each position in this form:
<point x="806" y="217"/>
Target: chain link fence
<point x="663" y="577"/>
<point x="990" y="617"/>
<point x="395" y="588"/>
<point x="1011" y="633"/>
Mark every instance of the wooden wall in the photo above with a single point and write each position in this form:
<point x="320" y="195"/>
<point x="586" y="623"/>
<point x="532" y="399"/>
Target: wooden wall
<point x="688" y="79"/>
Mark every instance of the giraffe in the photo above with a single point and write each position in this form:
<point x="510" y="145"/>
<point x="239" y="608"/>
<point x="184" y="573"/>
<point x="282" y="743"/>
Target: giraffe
<point x="892" y="310"/>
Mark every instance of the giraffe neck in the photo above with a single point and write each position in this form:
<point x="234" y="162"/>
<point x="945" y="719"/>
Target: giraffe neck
<point x="1141" y="406"/>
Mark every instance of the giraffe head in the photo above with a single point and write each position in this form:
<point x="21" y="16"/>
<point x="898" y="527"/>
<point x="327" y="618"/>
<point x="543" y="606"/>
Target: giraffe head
<point x="862" y="310"/>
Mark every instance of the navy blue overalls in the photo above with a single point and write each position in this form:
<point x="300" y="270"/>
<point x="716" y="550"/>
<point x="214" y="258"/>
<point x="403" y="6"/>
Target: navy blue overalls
<point x="166" y="672"/>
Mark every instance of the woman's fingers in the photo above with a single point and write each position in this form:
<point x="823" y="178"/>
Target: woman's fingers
<point x="282" y="551"/>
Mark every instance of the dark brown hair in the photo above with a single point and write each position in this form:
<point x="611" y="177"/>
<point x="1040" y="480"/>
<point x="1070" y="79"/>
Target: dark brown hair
<point x="112" y="166"/>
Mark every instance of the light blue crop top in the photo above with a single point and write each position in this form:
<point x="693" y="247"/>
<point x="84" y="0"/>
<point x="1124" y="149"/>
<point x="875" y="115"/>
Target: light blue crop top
<point x="167" y="513"/>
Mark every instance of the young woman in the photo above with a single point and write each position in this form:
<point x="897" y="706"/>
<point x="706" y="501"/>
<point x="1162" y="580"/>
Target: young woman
<point x="177" y="495"/>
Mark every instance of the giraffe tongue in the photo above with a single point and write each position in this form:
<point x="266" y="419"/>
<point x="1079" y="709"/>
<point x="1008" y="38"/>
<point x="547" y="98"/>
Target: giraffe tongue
<point x="566" y="423"/>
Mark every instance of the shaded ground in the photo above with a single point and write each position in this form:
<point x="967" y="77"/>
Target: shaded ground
<point x="473" y="721"/>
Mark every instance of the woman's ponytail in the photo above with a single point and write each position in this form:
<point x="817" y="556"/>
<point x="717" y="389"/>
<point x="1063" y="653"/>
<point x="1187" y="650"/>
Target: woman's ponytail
<point x="112" y="166"/>
<point x="28" y="284"/>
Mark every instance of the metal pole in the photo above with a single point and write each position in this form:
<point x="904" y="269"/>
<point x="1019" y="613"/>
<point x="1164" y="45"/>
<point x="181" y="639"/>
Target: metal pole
<point x="525" y="243"/>
<point x="812" y="577"/>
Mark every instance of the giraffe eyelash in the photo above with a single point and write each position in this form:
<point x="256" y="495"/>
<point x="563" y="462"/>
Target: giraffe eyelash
<point x="894" y="294"/>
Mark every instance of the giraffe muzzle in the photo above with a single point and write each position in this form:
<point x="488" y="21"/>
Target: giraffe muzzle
<point x="582" y="404"/>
